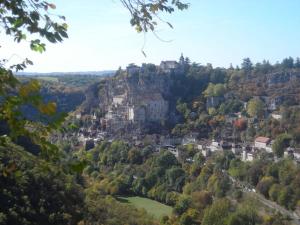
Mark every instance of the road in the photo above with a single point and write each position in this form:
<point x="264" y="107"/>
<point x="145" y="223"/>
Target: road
<point x="246" y="188"/>
<point x="276" y="207"/>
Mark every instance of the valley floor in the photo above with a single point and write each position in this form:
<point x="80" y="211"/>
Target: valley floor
<point x="152" y="207"/>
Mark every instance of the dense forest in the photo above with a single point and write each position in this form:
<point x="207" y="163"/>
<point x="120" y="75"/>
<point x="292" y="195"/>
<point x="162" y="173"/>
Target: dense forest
<point x="199" y="192"/>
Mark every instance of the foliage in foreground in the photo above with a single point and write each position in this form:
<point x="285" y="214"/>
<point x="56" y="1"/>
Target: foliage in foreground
<point x="34" y="191"/>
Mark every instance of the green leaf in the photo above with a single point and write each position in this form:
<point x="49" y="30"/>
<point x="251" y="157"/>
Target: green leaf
<point x="78" y="167"/>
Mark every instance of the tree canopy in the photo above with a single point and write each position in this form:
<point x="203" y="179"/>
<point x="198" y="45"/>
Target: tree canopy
<point x="214" y="90"/>
<point x="255" y="107"/>
<point x="145" y="14"/>
<point x="281" y="142"/>
<point x="21" y="19"/>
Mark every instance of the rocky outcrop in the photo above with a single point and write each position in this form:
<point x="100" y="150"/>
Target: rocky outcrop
<point x="281" y="78"/>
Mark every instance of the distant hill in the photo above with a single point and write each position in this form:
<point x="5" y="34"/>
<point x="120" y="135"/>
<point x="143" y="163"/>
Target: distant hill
<point x="66" y="89"/>
<point x="91" y="73"/>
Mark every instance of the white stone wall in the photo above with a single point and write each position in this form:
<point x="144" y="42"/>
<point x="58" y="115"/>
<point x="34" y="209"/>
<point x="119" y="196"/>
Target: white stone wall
<point x="250" y="157"/>
<point x="118" y="100"/>
<point x="247" y="156"/>
<point x="297" y="155"/>
<point x="260" y="145"/>
<point x="131" y="113"/>
<point x="276" y="116"/>
<point x="136" y="114"/>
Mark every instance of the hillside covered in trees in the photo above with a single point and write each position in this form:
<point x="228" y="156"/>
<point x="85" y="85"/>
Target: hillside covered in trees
<point x="204" y="99"/>
<point x="74" y="148"/>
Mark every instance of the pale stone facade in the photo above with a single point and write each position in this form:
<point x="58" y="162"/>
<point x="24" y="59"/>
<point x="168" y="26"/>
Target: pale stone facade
<point x="132" y="69"/>
<point x="262" y="142"/>
<point x="151" y="108"/>
<point x="215" y="146"/>
<point x="118" y="100"/>
<point x="276" y="116"/>
<point x="136" y="114"/>
<point x="168" y="66"/>
<point x="247" y="156"/>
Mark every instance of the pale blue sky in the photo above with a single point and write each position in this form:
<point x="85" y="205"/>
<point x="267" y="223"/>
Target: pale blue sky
<point x="215" y="31"/>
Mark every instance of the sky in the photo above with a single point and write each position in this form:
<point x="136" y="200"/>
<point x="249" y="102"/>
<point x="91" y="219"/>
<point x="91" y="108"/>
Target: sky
<point x="210" y="31"/>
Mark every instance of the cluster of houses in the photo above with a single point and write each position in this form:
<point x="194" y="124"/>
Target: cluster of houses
<point x="138" y="103"/>
<point x="247" y="152"/>
<point x="127" y="110"/>
<point x="128" y="105"/>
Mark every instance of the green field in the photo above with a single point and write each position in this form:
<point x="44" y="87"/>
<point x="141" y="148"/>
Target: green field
<point x="152" y="207"/>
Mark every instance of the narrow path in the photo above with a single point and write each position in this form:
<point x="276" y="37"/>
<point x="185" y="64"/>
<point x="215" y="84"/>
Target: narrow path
<point x="275" y="206"/>
<point x="246" y="188"/>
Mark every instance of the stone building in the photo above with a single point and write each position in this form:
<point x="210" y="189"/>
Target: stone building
<point x="118" y="100"/>
<point x="148" y="108"/>
<point x="168" y="66"/>
<point x="248" y="156"/>
<point x="132" y="69"/>
<point x="156" y="107"/>
<point x="263" y="143"/>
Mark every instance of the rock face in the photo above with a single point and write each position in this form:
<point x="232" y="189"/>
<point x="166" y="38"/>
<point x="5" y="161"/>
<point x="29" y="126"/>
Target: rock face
<point x="134" y="99"/>
<point x="281" y="78"/>
<point x="147" y="108"/>
<point x="276" y="88"/>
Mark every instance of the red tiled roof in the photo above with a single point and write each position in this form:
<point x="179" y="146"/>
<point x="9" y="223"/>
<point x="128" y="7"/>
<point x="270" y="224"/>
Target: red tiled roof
<point x="262" y="139"/>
